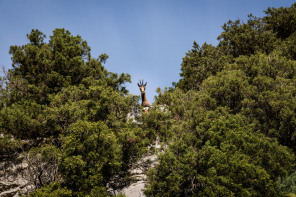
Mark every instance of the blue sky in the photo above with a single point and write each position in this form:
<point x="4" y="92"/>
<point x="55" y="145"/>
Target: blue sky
<point x="145" y="38"/>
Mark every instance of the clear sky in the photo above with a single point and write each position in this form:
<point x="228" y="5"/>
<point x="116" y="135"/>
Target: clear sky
<point x="145" y="38"/>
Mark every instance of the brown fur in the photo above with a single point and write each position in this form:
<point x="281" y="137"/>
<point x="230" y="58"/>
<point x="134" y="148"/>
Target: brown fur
<point x="145" y="102"/>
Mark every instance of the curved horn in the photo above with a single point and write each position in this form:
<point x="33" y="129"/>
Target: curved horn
<point x="141" y="83"/>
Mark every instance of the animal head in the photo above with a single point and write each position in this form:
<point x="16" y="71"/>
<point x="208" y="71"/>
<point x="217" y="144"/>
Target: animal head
<point x="142" y="86"/>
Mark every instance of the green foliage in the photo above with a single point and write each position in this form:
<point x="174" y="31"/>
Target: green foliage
<point x="91" y="156"/>
<point x="232" y="131"/>
<point x="281" y="20"/>
<point x="223" y="158"/>
<point x="23" y="119"/>
<point x="228" y="88"/>
<point x="287" y="184"/>
<point x="8" y="146"/>
<point x="71" y="112"/>
<point x="229" y="122"/>
<point x="200" y="63"/>
<point x="54" y="189"/>
<point x="246" y="38"/>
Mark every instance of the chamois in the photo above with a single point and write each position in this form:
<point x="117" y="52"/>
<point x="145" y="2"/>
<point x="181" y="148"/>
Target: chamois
<point x="145" y="102"/>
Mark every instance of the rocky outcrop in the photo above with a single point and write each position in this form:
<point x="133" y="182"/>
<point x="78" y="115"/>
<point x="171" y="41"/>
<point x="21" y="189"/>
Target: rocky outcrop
<point x="139" y="176"/>
<point x="13" y="181"/>
<point x="25" y="172"/>
<point x="138" y="172"/>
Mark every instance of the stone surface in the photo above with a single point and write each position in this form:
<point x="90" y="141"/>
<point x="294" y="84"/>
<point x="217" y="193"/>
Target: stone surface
<point x="139" y="173"/>
<point x="12" y="181"/>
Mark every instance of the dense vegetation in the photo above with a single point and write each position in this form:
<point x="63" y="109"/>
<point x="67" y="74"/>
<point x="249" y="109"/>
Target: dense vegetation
<point x="64" y="111"/>
<point x="231" y="125"/>
<point x="229" y="122"/>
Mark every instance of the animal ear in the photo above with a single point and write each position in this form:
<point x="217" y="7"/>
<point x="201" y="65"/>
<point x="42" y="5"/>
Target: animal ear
<point x="145" y="84"/>
<point x="138" y="84"/>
